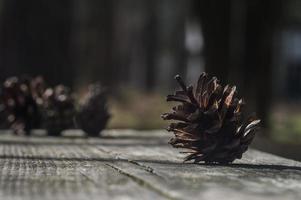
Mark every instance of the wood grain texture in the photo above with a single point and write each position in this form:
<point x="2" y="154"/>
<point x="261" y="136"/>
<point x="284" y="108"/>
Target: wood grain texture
<point x="128" y="164"/>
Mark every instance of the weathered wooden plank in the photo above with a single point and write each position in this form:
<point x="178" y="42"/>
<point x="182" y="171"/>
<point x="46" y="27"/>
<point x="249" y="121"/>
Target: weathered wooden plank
<point x="34" y="172"/>
<point x="134" y="165"/>
<point x="257" y="175"/>
<point x="48" y="168"/>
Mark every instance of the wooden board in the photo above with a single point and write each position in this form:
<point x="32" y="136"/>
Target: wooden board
<point x="127" y="164"/>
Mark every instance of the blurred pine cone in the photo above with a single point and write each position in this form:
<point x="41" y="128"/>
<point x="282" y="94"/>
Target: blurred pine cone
<point x="93" y="113"/>
<point x="19" y="107"/>
<point x="3" y="116"/>
<point x="38" y="87"/>
<point x="211" y="125"/>
<point x="58" y="110"/>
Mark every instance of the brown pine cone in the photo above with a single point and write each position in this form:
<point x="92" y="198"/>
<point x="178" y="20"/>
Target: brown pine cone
<point x="58" y="110"/>
<point x="211" y="125"/>
<point x="20" y="107"/>
<point x="93" y="113"/>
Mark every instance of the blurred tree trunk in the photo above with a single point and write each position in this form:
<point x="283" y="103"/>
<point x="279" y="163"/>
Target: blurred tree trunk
<point x="92" y="40"/>
<point x="215" y="21"/>
<point x="171" y="55"/>
<point x="238" y="37"/>
<point x="148" y="42"/>
<point x="151" y="39"/>
<point x="35" y="39"/>
<point x="262" y="20"/>
<point x="133" y="38"/>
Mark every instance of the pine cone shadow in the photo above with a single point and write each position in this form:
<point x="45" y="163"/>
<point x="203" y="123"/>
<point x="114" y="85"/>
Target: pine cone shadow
<point x="254" y="166"/>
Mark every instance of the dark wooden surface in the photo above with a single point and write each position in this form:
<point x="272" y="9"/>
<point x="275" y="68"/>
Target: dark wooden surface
<point x="134" y="165"/>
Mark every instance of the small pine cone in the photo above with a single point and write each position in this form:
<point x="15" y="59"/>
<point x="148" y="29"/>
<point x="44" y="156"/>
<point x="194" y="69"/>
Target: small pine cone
<point x="3" y="117"/>
<point x="3" y="113"/>
<point x="20" y="107"/>
<point x="38" y="88"/>
<point x="93" y="113"/>
<point x="58" y="110"/>
<point x="211" y="125"/>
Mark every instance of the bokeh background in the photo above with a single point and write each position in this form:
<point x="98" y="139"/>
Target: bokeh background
<point x="135" y="47"/>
